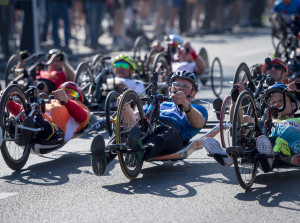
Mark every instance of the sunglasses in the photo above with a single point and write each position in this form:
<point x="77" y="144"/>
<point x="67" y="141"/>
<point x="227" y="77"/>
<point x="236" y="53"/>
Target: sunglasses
<point x="121" y="64"/>
<point x="71" y="92"/>
<point x="276" y="66"/>
<point x="182" y="86"/>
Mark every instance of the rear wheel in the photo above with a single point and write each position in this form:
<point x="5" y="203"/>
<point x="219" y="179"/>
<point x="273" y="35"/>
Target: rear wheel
<point x="225" y="123"/>
<point x="85" y="80"/>
<point x="160" y="65"/>
<point x="244" y="135"/>
<point x="242" y="73"/>
<point x="131" y="161"/>
<point x="10" y="69"/>
<point x="14" y="155"/>
<point x="111" y="110"/>
<point x="140" y="49"/>
<point x="97" y="64"/>
<point x="281" y="51"/>
<point x="216" y="77"/>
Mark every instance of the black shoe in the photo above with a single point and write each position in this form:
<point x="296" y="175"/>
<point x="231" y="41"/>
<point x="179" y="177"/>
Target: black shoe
<point x="26" y="134"/>
<point x="99" y="158"/>
<point x="133" y="137"/>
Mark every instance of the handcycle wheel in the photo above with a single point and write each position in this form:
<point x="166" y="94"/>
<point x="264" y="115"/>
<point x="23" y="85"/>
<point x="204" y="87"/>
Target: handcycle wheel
<point x="149" y="61"/>
<point x="131" y="162"/>
<point x="225" y="123"/>
<point x="15" y="156"/>
<point x="243" y="135"/>
<point x="204" y="55"/>
<point x="85" y="80"/>
<point x="111" y="110"/>
<point x="140" y="49"/>
<point x="281" y="51"/>
<point x="242" y="73"/>
<point x="97" y="64"/>
<point x="10" y="69"/>
<point x="216" y="77"/>
<point x="160" y="65"/>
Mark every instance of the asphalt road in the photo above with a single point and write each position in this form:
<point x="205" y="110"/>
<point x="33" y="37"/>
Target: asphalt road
<point x="60" y="186"/>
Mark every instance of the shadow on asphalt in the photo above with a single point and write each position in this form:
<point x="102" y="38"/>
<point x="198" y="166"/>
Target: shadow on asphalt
<point x="170" y="179"/>
<point x="280" y="188"/>
<point x="53" y="172"/>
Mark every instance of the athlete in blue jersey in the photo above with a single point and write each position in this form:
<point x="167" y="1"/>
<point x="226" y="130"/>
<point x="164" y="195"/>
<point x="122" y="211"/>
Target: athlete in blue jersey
<point x="285" y="135"/>
<point x="175" y="129"/>
<point x="288" y="7"/>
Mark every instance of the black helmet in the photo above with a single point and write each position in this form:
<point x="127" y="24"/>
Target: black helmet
<point x="54" y="53"/>
<point x="186" y="75"/>
<point x="280" y="88"/>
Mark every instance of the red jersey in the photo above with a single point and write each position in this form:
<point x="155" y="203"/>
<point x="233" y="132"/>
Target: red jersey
<point x="56" y="77"/>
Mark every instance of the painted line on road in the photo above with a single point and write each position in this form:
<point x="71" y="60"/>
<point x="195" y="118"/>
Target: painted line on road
<point x="5" y="195"/>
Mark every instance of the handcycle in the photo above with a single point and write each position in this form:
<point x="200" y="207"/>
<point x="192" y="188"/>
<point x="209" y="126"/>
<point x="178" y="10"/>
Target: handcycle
<point x="151" y="60"/>
<point x="23" y="76"/>
<point x="14" y="154"/>
<point x="130" y="155"/>
<point x="243" y="149"/>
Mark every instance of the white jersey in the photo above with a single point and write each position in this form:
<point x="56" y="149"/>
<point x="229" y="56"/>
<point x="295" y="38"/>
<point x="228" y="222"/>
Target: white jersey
<point x="135" y="85"/>
<point x="181" y="66"/>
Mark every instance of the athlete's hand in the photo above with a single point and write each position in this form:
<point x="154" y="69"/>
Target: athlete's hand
<point x="293" y="87"/>
<point x="179" y="98"/>
<point x="61" y="96"/>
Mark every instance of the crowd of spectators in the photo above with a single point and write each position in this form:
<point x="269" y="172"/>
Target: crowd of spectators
<point x="60" y="21"/>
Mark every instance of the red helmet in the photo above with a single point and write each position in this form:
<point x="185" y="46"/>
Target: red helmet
<point x="74" y="86"/>
<point x="275" y="60"/>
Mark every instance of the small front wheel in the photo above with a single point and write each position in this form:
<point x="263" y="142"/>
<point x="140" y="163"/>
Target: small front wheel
<point x="216" y="77"/>
<point x="111" y="110"/>
<point x="14" y="155"/>
<point x="225" y="123"/>
<point x="131" y="161"/>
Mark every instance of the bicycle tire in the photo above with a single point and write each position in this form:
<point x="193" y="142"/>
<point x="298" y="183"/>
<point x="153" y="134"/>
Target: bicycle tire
<point x="281" y="51"/>
<point x="225" y="134"/>
<point x="242" y="73"/>
<point x="10" y="69"/>
<point x="15" y="156"/>
<point x="216" y="77"/>
<point x="110" y="101"/>
<point x="130" y="169"/>
<point x="85" y="80"/>
<point x="97" y="64"/>
<point x="245" y="167"/>
<point x="149" y="62"/>
<point x="161" y="65"/>
<point x="140" y="43"/>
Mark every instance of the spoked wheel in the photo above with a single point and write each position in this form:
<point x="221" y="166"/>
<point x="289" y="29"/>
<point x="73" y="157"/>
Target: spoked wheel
<point x="216" y="77"/>
<point x="203" y="54"/>
<point x="140" y="49"/>
<point x="85" y="80"/>
<point x="281" y="51"/>
<point x="14" y="155"/>
<point x="111" y="110"/>
<point x="131" y="162"/>
<point x="10" y="69"/>
<point x="160" y="64"/>
<point x="149" y="62"/>
<point x="244" y="133"/>
<point x="225" y="123"/>
<point x="242" y="73"/>
<point x="97" y="64"/>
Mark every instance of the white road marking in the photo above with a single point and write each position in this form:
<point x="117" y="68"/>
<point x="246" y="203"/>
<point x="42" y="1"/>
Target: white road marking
<point x="5" y="195"/>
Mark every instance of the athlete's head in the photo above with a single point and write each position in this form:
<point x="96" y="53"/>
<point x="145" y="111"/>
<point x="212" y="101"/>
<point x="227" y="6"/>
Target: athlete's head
<point x="124" y="66"/>
<point x="184" y="81"/>
<point x="276" y="68"/>
<point x="72" y="90"/>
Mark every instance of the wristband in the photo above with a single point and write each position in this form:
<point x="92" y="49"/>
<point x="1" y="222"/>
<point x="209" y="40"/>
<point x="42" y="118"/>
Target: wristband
<point x="190" y="108"/>
<point x="194" y="55"/>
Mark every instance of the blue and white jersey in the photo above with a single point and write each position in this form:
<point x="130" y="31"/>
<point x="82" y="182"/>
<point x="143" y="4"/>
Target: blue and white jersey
<point x="168" y="111"/>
